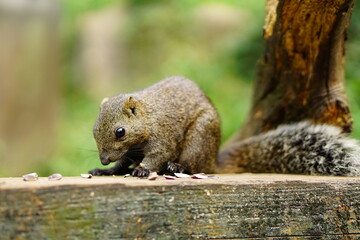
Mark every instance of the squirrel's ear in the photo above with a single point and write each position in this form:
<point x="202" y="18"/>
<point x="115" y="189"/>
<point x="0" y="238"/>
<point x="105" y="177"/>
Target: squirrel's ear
<point x="104" y="101"/>
<point x="131" y="106"/>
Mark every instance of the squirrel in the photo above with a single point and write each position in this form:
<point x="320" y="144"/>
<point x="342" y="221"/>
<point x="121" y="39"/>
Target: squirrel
<point x="170" y="126"/>
<point x="173" y="127"/>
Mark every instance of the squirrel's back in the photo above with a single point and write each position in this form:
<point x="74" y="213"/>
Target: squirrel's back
<point x="301" y="148"/>
<point x="174" y="95"/>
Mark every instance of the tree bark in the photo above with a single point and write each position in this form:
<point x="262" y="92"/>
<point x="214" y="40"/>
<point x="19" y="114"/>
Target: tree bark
<point x="301" y="74"/>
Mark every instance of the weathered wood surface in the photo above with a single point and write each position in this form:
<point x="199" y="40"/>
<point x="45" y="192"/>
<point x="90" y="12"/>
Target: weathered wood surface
<point x="255" y="206"/>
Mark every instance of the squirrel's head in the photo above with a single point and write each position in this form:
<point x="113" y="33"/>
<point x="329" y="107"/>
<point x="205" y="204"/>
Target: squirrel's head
<point x="119" y="127"/>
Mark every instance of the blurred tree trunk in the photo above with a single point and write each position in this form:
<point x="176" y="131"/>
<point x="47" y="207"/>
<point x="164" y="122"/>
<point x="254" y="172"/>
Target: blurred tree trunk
<point x="301" y="74"/>
<point x="29" y="84"/>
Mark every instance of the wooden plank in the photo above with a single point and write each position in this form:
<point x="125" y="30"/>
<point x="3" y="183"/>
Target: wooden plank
<point x="254" y="206"/>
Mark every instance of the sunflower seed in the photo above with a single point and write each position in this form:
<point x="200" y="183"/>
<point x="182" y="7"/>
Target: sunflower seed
<point x="55" y="177"/>
<point x="199" y="176"/>
<point x="169" y="177"/>
<point x="181" y="175"/>
<point x="152" y="176"/>
<point x="30" y="177"/>
<point x="86" y="175"/>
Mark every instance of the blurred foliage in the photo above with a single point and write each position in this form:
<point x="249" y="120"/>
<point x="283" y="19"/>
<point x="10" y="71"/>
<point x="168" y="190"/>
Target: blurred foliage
<point x="161" y="38"/>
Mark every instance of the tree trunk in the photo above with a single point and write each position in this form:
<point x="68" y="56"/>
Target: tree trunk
<point x="301" y="74"/>
<point x="29" y="83"/>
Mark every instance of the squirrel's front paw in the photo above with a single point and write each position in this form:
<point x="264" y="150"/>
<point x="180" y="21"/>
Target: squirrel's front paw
<point x="96" y="172"/>
<point x="100" y="172"/>
<point x="175" y="168"/>
<point x="141" y="172"/>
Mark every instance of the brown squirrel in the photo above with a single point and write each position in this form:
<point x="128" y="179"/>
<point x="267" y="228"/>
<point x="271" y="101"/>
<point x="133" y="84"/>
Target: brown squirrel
<point x="170" y="126"/>
<point x="173" y="127"/>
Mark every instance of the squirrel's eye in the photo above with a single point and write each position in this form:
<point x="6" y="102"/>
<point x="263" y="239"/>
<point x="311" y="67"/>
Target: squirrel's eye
<point x="119" y="132"/>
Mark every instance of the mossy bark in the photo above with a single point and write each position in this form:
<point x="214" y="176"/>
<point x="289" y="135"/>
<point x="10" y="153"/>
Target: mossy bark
<point x="301" y="74"/>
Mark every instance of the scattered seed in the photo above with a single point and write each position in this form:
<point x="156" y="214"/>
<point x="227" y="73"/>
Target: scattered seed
<point x="152" y="176"/>
<point x="86" y="175"/>
<point x="199" y="176"/>
<point x="181" y="175"/>
<point x="55" y="177"/>
<point x="169" y="177"/>
<point x="30" y="177"/>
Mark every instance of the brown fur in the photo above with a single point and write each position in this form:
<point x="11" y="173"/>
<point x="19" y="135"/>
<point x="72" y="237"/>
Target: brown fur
<point x="170" y="126"/>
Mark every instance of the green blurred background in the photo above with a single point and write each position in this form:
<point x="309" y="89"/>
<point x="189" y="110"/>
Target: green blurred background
<point x="59" y="59"/>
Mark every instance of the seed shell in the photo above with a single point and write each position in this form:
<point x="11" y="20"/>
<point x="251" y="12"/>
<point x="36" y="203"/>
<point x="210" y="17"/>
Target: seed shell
<point x="55" y="177"/>
<point x="169" y="177"/>
<point x="181" y="175"/>
<point x="199" y="176"/>
<point x="30" y="177"/>
<point x="86" y="175"/>
<point x="153" y="176"/>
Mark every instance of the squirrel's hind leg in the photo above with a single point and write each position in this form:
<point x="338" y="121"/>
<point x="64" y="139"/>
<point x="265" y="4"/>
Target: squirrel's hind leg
<point x="201" y="145"/>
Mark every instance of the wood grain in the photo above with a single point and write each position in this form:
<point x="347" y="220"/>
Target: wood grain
<point x="254" y="206"/>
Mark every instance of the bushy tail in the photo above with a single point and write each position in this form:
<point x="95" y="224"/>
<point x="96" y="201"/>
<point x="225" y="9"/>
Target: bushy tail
<point x="301" y="148"/>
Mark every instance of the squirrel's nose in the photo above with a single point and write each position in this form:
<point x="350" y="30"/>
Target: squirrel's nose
<point x="105" y="159"/>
